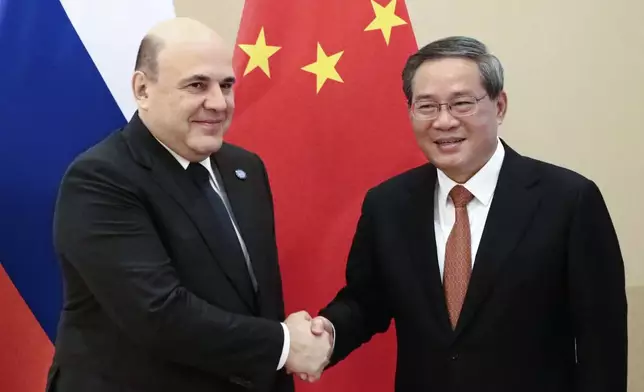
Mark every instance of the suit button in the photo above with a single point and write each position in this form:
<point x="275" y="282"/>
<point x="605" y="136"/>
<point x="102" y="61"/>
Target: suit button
<point x="454" y="357"/>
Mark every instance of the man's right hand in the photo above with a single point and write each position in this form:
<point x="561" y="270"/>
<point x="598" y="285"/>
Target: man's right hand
<point x="308" y="353"/>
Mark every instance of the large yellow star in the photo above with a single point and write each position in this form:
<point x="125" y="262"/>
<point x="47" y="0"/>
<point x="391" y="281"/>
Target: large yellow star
<point x="324" y="67"/>
<point x="385" y="19"/>
<point x="259" y="54"/>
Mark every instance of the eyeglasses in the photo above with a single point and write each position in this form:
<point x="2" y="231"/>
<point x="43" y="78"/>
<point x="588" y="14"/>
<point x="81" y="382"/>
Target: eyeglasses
<point x="425" y="109"/>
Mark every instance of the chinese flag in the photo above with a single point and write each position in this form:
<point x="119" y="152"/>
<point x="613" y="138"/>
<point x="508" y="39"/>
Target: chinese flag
<point x="320" y="99"/>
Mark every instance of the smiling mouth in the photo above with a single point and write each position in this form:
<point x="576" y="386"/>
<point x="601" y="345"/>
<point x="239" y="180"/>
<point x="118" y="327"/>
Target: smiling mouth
<point x="209" y="122"/>
<point x="449" y="142"/>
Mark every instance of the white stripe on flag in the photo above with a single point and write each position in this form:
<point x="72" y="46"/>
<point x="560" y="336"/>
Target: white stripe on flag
<point x="111" y="31"/>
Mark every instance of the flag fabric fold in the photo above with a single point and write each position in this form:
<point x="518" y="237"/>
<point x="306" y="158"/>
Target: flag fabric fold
<point x="65" y="74"/>
<point x="320" y="100"/>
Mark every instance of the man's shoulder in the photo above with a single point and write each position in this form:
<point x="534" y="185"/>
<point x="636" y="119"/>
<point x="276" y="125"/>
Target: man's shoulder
<point x="404" y="182"/>
<point x="237" y="152"/>
<point x="109" y="152"/>
<point x="107" y="149"/>
<point x="557" y="177"/>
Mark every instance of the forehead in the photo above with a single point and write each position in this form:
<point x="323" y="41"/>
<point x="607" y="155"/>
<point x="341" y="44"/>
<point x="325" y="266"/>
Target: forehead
<point x="447" y="77"/>
<point x="203" y="58"/>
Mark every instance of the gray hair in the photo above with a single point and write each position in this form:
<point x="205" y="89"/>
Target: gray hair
<point x="489" y="65"/>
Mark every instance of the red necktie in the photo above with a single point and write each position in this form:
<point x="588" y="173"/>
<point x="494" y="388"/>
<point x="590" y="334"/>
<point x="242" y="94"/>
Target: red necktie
<point x="458" y="255"/>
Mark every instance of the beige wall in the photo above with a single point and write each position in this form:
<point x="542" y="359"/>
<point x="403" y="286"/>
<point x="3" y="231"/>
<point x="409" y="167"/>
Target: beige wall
<point x="223" y="15"/>
<point x="575" y="84"/>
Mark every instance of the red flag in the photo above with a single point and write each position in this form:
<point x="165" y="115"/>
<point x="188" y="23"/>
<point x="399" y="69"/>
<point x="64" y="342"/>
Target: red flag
<point x="320" y="99"/>
<point x="25" y="349"/>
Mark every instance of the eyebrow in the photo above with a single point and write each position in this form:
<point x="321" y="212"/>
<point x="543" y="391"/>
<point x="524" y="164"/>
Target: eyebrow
<point x="206" y="79"/>
<point x="452" y="96"/>
<point x="423" y="97"/>
<point x="230" y="79"/>
<point x="195" y="78"/>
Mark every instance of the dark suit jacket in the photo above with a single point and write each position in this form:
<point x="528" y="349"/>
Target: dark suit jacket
<point x="546" y="305"/>
<point x="153" y="301"/>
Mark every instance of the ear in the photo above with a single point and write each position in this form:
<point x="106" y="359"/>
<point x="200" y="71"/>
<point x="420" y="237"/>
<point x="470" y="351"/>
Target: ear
<point x="140" y="87"/>
<point x="501" y="106"/>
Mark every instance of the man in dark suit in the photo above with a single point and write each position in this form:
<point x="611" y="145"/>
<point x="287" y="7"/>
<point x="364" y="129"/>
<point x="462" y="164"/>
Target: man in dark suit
<point x="166" y="240"/>
<point x="502" y="273"/>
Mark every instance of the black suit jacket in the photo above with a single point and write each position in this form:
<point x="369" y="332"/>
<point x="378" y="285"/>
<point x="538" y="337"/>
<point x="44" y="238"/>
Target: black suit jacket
<point x="153" y="301"/>
<point x="546" y="305"/>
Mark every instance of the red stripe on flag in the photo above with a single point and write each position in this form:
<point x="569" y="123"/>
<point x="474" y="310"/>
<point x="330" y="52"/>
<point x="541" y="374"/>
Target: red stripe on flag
<point x="25" y="349"/>
<point x="320" y="99"/>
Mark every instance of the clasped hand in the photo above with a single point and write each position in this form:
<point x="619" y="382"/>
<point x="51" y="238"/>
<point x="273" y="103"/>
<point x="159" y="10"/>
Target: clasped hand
<point x="311" y="343"/>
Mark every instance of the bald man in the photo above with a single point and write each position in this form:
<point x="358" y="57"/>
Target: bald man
<point x="165" y="236"/>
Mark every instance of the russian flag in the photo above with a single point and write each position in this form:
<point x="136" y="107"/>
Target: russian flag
<point x="65" y="68"/>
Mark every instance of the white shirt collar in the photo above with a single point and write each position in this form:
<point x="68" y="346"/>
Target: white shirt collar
<point x="184" y="162"/>
<point x="481" y="185"/>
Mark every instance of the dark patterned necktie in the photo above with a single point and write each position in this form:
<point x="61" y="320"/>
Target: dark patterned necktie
<point x="201" y="177"/>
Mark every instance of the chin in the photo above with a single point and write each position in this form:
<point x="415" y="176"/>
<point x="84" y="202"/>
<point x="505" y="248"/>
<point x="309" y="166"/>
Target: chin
<point x="207" y="147"/>
<point x="448" y="163"/>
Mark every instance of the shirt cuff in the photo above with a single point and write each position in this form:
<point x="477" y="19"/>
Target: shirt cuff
<point x="285" y="348"/>
<point x="333" y="344"/>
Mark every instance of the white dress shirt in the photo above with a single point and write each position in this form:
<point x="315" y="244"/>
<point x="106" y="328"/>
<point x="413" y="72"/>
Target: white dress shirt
<point x="482" y="186"/>
<point x="221" y="192"/>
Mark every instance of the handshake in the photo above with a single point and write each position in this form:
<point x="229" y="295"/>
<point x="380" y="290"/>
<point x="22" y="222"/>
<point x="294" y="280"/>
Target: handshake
<point x="311" y="345"/>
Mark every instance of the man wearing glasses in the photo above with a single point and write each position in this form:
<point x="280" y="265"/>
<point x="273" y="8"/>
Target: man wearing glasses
<point x="502" y="273"/>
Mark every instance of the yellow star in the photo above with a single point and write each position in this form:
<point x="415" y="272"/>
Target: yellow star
<point x="324" y="67"/>
<point x="259" y="54"/>
<point x="385" y="19"/>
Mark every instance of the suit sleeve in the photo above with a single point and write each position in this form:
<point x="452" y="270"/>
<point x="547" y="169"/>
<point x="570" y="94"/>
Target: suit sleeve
<point x="359" y="309"/>
<point x="287" y="340"/>
<point x="104" y="230"/>
<point x="597" y="296"/>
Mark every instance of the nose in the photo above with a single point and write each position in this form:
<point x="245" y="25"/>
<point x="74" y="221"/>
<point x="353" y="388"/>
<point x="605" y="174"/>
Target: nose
<point x="216" y="100"/>
<point x="445" y="121"/>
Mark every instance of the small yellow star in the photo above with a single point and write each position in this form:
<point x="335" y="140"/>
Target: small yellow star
<point x="385" y="19"/>
<point x="324" y="67"/>
<point x="259" y="54"/>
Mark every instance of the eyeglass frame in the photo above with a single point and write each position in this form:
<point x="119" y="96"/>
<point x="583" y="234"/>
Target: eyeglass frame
<point x="449" y="108"/>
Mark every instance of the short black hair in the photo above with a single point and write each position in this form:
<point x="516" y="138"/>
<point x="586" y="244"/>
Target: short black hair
<point x="147" y="58"/>
<point x="489" y="65"/>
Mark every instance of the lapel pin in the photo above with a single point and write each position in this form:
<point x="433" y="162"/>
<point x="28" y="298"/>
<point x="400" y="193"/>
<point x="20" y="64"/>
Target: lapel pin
<point x="240" y="174"/>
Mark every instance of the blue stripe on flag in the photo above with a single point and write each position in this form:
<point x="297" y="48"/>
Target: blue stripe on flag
<point x="53" y="104"/>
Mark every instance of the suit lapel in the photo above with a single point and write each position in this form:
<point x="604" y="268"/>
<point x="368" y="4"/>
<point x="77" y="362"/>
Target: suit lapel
<point x="513" y="206"/>
<point x="422" y="244"/>
<point x="171" y="177"/>
<point x="240" y="197"/>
